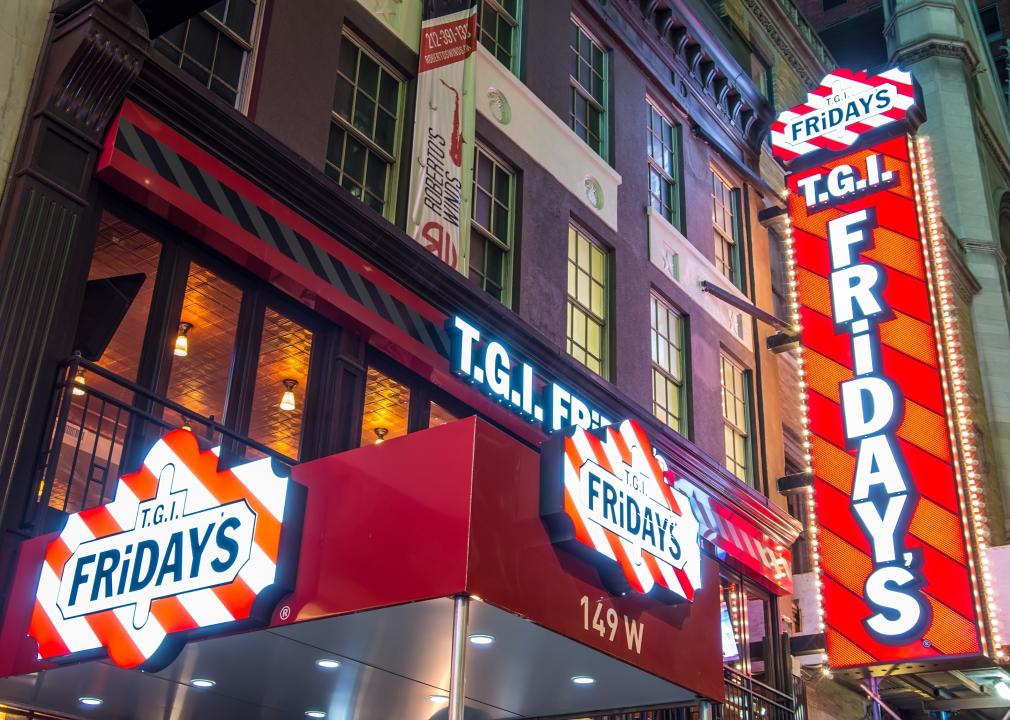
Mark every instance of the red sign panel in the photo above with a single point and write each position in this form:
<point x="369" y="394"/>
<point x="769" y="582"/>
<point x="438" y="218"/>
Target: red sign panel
<point x="896" y="573"/>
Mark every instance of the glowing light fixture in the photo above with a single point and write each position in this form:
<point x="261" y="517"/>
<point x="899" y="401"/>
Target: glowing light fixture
<point x="380" y="435"/>
<point x="79" y="383"/>
<point x="185" y="424"/>
<point x="202" y="683"/>
<point x="182" y="339"/>
<point x="480" y="639"/>
<point x="328" y="663"/>
<point x="583" y="680"/>
<point x="90" y="701"/>
<point x="315" y="714"/>
<point x="439" y="699"/>
<point x="288" y="399"/>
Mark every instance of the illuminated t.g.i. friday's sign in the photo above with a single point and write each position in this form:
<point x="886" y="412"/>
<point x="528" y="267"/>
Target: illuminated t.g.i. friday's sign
<point x="184" y="548"/>
<point x="895" y="570"/>
<point x="515" y="384"/>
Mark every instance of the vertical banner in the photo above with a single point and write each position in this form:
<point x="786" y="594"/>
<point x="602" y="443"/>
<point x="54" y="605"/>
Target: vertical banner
<point x="897" y="569"/>
<point x="442" y="168"/>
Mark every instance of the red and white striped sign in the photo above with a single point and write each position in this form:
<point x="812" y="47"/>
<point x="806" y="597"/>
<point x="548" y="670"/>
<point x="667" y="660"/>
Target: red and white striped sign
<point x="183" y="547"/>
<point x="845" y="106"/>
<point x="609" y="496"/>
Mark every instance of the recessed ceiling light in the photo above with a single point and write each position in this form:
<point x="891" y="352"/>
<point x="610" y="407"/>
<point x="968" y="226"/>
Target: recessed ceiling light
<point x="92" y="701"/>
<point x="583" y="680"/>
<point x="440" y="699"/>
<point x="480" y="639"/>
<point x="328" y="663"/>
<point x="315" y="714"/>
<point x="202" y="683"/>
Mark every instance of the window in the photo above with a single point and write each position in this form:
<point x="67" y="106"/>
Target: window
<point x="587" y="301"/>
<point x="736" y="418"/>
<point x="498" y="29"/>
<point x="588" y="112"/>
<point x="199" y="379"/>
<point x="749" y="632"/>
<point x="215" y="46"/>
<point x="763" y="77"/>
<point x="397" y="403"/>
<point x="724" y="220"/>
<point x="990" y="23"/>
<point x="492" y="228"/>
<point x="669" y="400"/>
<point x="387" y="408"/>
<point x="283" y="367"/>
<point x="663" y="147"/>
<point x="365" y="127"/>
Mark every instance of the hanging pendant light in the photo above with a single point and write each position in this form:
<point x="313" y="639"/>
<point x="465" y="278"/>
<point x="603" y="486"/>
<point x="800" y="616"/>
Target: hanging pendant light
<point x="380" y="435"/>
<point x="288" y="399"/>
<point x="79" y="383"/>
<point x="182" y="340"/>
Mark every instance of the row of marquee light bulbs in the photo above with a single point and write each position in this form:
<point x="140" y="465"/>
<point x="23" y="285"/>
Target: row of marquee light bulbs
<point x="181" y="349"/>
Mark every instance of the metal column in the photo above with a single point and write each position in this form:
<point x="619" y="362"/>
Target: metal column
<point x="457" y="671"/>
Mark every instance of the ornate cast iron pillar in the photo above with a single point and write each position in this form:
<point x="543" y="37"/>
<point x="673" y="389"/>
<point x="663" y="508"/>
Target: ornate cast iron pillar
<point x="95" y="51"/>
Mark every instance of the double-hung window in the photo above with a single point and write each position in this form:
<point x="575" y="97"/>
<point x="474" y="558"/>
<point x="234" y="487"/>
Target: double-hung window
<point x="498" y="30"/>
<point x="662" y="144"/>
<point x="215" y="47"/>
<point x="736" y="414"/>
<point x="588" y="111"/>
<point x="587" y="301"/>
<point x="725" y="221"/>
<point x="365" y="126"/>
<point x="492" y="229"/>
<point x="669" y="399"/>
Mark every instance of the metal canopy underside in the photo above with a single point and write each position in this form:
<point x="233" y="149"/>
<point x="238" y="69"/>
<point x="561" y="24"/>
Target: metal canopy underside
<point x="392" y="661"/>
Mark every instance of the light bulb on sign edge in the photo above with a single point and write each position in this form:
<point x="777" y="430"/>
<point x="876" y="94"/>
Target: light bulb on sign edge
<point x="181" y="348"/>
<point x="288" y="398"/>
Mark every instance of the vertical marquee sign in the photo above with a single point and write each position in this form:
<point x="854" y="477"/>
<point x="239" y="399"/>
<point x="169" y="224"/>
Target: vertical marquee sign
<point x="900" y="552"/>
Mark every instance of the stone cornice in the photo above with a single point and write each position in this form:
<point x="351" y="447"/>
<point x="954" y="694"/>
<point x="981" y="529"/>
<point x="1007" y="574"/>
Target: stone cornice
<point x="788" y="40"/>
<point x="937" y="47"/>
<point x="986" y="247"/>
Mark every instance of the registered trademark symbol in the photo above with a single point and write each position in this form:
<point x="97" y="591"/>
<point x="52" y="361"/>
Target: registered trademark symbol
<point x="927" y="643"/>
<point x="285" y="612"/>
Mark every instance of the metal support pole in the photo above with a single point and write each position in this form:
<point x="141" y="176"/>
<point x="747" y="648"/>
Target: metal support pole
<point x="457" y="672"/>
<point x="704" y="710"/>
<point x="872" y="690"/>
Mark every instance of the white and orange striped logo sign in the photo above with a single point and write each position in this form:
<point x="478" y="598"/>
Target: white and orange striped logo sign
<point x="607" y="495"/>
<point x="183" y="547"/>
<point x="845" y="106"/>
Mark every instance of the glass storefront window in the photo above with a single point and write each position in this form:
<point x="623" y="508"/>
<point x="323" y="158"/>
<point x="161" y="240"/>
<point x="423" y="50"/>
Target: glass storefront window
<point x="285" y="349"/>
<point x="387" y="408"/>
<point x="199" y="378"/>
<point x="124" y="257"/>
<point x="439" y="416"/>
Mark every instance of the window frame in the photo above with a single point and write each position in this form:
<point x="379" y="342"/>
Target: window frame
<point x="577" y="88"/>
<point x="684" y="416"/>
<point x="249" y="47"/>
<point x="573" y="303"/>
<point x="677" y="215"/>
<point x="732" y="238"/>
<point x="422" y="394"/>
<point x="391" y="196"/>
<point x="747" y="431"/>
<point x="516" y="21"/>
<point x="178" y="252"/>
<point x="508" y="264"/>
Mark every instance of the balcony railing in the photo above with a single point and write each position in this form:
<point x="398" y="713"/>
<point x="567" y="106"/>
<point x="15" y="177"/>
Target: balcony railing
<point x="100" y="427"/>
<point x="749" y="699"/>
